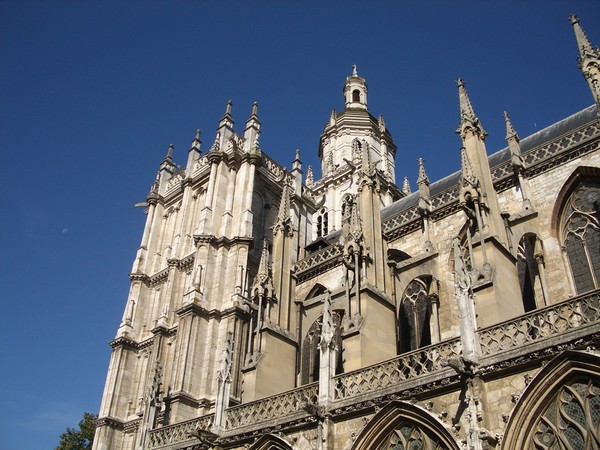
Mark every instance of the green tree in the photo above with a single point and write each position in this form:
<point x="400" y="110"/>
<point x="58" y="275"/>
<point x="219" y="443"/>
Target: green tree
<point x="81" y="439"/>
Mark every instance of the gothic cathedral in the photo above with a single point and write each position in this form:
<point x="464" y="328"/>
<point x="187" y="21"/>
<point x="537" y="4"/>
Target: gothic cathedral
<point x="269" y="309"/>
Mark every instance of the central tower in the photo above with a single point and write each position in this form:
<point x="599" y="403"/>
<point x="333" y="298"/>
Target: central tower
<point x="349" y="138"/>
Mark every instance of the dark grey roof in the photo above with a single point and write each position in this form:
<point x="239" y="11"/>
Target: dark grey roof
<point x="528" y="143"/>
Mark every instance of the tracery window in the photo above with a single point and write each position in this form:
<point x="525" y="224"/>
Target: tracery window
<point x="408" y="436"/>
<point x="572" y="419"/>
<point x="581" y="235"/>
<point x="414" y="317"/>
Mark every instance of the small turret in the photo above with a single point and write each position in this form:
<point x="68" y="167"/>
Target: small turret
<point x="355" y="91"/>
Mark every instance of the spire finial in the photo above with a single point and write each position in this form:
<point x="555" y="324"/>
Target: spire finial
<point x="422" y="178"/>
<point x="170" y="152"/>
<point x="582" y="40"/>
<point x="354" y="71"/>
<point x="228" y="107"/>
<point x="255" y="109"/>
<point x="510" y="131"/>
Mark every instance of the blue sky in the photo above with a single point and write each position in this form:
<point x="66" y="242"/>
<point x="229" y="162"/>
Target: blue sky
<point x="92" y="94"/>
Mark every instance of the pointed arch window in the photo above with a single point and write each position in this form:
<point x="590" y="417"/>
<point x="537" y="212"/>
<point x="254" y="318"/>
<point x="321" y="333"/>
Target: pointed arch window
<point x="323" y="223"/>
<point x="572" y="420"/>
<point x="311" y="354"/>
<point x="414" y="316"/>
<point x="581" y="235"/>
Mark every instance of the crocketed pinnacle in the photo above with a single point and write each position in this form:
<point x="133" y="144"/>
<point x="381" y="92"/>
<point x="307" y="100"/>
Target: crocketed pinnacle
<point x="465" y="167"/>
<point x="406" y="186"/>
<point x="468" y="118"/>
<point x="263" y="266"/>
<point x="511" y="134"/>
<point x="284" y="206"/>
<point x="422" y="178"/>
<point x="583" y="42"/>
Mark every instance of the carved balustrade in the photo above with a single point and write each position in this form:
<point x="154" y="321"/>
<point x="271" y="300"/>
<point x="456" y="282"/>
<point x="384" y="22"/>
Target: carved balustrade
<point x="318" y="262"/>
<point x="388" y="373"/>
<point x="178" y="433"/>
<point x="272" y="408"/>
<point x="542" y="324"/>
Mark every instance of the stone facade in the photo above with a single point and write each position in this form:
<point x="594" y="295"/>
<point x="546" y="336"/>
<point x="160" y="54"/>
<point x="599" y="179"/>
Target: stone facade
<point x="272" y="310"/>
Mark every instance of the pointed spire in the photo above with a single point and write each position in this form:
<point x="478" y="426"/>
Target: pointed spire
<point x="406" y="186"/>
<point x="263" y="266"/>
<point x="466" y="109"/>
<point x="228" y="107"/>
<point x="422" y="178"/>
<point x="511" y="134"/>
<point x="255" y="109"/>
<point x="381" y="123"/>
<point x="196" y="142"/>
<point x="468" y="118"/>
<point x="169" y="156"/>
<point x="583" y="42"/>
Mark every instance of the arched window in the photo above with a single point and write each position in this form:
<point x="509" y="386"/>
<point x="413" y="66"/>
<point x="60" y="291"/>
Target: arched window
<point x="581" y="234"/>
<point x="311" y="351"/>
<point x="414" y="315"/>
<point x="322" y="223"/>
<point x="356" y="95"/>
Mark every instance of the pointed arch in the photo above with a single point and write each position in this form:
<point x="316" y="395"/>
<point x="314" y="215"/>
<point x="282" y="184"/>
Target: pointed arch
<point x="576" y="221"/>
<point x="316" y="290"/>
<point x="311" y="354"/>
<point x="530" y="271"/>
<point x="415" y="315"/>
<point x="559" y="407"/>
<point x="270" y="442"/>
<point x="403" y="425"/>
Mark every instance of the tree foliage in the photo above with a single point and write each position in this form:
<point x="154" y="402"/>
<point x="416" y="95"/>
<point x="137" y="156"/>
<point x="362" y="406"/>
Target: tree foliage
<point x="81" y="439"/>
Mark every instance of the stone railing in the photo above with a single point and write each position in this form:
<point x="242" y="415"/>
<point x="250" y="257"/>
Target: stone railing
<point x="317" y="262"/>
<point x="272" y="408"/>
<point x="178" y="433"/>
<point x="542" y="324"/>
<point x="389" y="373"/>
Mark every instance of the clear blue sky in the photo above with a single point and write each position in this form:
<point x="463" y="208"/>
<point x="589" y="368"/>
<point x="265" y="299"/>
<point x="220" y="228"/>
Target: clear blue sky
<point x="92" y="93"/>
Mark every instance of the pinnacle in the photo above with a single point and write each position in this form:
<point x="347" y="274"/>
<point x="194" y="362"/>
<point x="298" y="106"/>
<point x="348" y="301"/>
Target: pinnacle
<point x="582" y="40"/>
<point x="510" y="131"/>
<point x="422" y="178"/>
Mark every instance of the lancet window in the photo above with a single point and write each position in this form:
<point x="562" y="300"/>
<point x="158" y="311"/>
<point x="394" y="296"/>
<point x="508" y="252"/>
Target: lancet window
<point x="581" y="235"/>
<point x="414" y="316"/>
<point x="311" y="352"/>
<point x="323" y="223"/>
